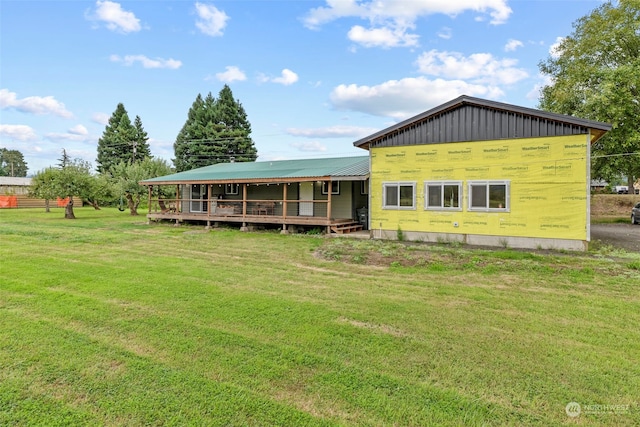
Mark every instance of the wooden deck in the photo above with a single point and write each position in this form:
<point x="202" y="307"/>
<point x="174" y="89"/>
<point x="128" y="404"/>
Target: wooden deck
<point x="333" y="225"/>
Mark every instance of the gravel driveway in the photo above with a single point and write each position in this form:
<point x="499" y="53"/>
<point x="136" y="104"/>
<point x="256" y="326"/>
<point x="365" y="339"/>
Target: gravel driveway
<point x="625" y="236"/>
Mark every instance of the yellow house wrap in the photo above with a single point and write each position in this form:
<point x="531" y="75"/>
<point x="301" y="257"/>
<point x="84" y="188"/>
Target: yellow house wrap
<point x="483" y="172"/>
<point x="546" y="178"/>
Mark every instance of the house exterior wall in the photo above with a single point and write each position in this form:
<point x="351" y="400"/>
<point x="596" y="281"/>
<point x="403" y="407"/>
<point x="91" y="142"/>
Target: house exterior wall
<point x="547" y="191"/>
<point x="341" y="204"/>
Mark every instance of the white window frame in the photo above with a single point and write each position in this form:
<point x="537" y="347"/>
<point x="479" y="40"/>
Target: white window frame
<point x="442" y="184"/>
<point x="232" y="189"/>
<point x="398" y="184"/>
<point x="487" y="184"/>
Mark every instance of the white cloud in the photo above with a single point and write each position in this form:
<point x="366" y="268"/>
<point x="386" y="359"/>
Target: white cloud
<point x="77" y="133"/>
<point x="554" y="49"/>
<point x="478" y="67"/>
<point x="400" y="99"/>
<point x="79" y="130"/>
<point x="332" y="132"/>
<point x="231" y="74"/>
<point x="309" y="146"/>
<point x="287" y="78"/>
<point x="70" y="136"/>
<point x="146" y="62"/>
<point x="383" y="37"/>
<point x="18" y="132"/>
<point x="445" y="33"/>
<point x="212" y="20"/>
<point x="512" y="45"/>
<point x="33" y="104"/>
<point x="101" y="118"/>
<point x="390" y="19"/>
<point x="115" y="18"/>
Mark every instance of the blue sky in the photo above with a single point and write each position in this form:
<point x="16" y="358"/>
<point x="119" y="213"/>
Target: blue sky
<point x="313" y="76"/>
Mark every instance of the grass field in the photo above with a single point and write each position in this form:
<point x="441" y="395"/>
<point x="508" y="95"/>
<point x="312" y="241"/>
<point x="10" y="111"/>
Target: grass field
<point x="108" y="321"/>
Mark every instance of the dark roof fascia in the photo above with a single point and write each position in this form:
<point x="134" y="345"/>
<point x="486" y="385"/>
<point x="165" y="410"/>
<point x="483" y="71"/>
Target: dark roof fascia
<point x="495" y="105"/>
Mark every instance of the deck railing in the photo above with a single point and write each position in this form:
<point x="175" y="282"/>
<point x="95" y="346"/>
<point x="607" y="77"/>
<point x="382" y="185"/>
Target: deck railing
<point x="240" y="208"/>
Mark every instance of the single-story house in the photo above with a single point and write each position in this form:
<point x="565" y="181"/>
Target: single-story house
<point x="485" y="173"/>
<point x="328" y="193"/>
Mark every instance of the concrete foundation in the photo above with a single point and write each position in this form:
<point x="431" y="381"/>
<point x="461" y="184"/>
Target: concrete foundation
<point x="482" y="240"/>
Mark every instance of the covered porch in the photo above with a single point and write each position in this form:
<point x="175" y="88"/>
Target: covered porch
<point x="336" y="202"/>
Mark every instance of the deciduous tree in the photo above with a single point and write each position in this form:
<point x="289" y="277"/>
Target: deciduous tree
<point x="595" y="74"/>
<point x="127" y="175"/>
<point x="73" y="180"/>
<point x="12" y="163"/>
<point x="42" y="186"/>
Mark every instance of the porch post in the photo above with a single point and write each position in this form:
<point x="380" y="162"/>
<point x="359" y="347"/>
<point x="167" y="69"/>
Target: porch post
<point x="284" y="208"/>
<point x="284" y="200"/>
<point x="244" y="208"/>
<point x="178" y="201"/>
<point x="208" y="227"/>
<point x="208" y="201"/>
<point x="244" y="200"/>
<point x="150" y="187"/>
<point x="329" y="207"/>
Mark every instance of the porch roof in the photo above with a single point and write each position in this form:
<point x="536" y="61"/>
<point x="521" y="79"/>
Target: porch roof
<point x="335" y="169"/>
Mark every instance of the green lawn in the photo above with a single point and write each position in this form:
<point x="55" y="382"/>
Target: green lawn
<point x="106" y="320"/>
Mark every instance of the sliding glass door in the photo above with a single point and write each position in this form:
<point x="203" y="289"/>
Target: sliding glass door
<point x="198" y="198"/>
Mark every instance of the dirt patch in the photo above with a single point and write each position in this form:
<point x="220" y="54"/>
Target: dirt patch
<point x="612" y="205"/>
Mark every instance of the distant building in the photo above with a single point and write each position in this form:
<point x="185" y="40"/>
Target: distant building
<point x="14" y="193"/>
<point x="12" y="186"/>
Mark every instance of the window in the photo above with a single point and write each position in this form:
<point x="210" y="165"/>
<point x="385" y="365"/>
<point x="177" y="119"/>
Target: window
<point x="443" y="195"/>
<point x="231" y="189"/>
<point x="399" y="195"/>
<point x="335" y="187"/>
<point x="489" y="195"/>
<point x="364" y="187"/>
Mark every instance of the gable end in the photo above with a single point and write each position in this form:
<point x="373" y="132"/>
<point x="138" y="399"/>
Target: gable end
<point x="474" y="123"/>
<point x="466" y="119"/>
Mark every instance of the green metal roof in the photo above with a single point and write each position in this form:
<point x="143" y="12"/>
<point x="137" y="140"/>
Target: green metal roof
<point x="337" y="169"/>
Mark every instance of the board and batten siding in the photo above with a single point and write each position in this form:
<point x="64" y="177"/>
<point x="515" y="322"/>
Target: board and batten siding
<point x="473" y="123"/>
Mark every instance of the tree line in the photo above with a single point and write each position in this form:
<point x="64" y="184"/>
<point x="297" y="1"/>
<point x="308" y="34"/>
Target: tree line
<point x="216" y="131"/>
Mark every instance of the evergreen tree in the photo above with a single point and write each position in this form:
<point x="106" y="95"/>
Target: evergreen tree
<point x="236" y="128"/>
<point x="64" y="160"/>
<point x="141" y="148"/>
<point x="12" y="163"/>
<point x="183" y="147"/>
<point x="216" y="131"/>
<point x="119" y="139"/>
